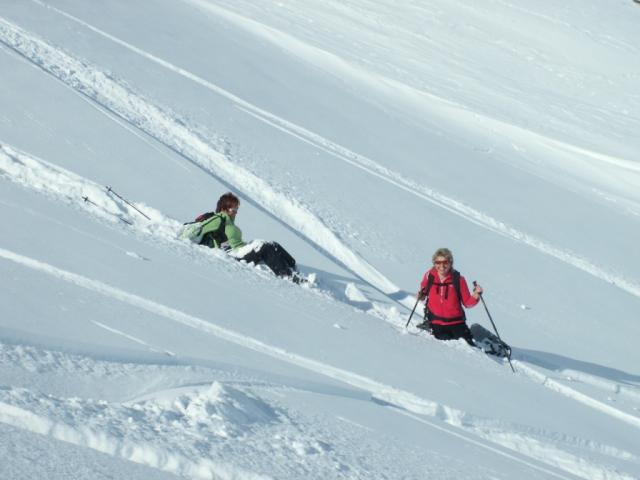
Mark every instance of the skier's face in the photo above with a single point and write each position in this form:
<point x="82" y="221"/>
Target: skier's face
<point x="233" y="211"/>
<point x="443" y="265"/>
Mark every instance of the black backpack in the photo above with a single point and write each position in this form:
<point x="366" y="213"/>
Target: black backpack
<point x="215" y="238"/>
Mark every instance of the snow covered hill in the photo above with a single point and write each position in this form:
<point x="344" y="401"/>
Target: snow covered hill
<point x="361" y="135"/>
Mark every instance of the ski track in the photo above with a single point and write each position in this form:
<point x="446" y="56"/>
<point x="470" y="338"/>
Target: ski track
<point x="173" y="133"/>
<point x="341" y="68"/>
<point x="131" y="337"/>
<point x="493" y="436"/>
<point x="71" y="189"/>
<point x="569" y="392"/>
<point x="365" y="164"/>
<point x="40" y="175"/>
<point x="68" y="187"/>
<point x="78" y="187"/>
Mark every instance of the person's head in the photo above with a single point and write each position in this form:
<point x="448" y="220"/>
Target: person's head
<point x="229" y="204"/>
<point x="442" y="260"/>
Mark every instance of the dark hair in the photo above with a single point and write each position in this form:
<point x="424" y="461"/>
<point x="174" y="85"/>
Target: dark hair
<point x="227" y="201"/>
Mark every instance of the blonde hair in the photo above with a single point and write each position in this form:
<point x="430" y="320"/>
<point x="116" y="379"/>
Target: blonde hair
<point x="442" y="252"/>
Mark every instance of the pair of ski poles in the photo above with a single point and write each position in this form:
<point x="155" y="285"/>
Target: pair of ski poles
<point x="112" y="191"/>
<point x="495" y="329"/>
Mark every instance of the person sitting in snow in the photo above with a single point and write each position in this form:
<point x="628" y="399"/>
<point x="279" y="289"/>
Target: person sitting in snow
<point x="220" y="231"/>
<point x="446" y="292"/>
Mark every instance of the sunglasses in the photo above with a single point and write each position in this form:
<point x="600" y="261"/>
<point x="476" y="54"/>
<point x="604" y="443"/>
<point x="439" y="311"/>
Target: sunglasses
<point x="233" y="210"/>
<point x="441" y="262"/>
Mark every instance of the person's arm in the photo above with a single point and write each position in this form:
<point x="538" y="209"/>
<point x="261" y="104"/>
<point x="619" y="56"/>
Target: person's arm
<point x="234" y="235"/>
<point x="469" y="299"/>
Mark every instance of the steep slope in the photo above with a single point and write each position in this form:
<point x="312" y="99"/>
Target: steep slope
<point x="362" y="141"/>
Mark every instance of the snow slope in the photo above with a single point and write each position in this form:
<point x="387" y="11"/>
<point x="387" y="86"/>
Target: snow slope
<point x="362" y="136"/>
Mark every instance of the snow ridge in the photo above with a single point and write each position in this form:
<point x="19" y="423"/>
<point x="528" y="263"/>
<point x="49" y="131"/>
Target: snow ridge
<point x="56" y="182"/>
<point x="101" y="441"/>
<point x="302" y="402"/>
<point x="68" y="187"/>
<point x="494" y="435"/>
<point x="121" y="100"/>
<point x="370" y="166"/>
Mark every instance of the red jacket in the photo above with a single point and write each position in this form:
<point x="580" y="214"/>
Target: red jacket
<point x="444" y="306"/>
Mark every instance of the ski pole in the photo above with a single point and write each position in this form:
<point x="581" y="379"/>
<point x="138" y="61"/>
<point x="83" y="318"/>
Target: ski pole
<point x="91" y="202"/>
<point x="88" y="200"/>
<point x="412" y="311"/>
<point x="494" y="326"/>
<point x="111" y="190"/>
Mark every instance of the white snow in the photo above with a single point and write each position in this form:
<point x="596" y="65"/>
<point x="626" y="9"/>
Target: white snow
<point x="361" y="136"/>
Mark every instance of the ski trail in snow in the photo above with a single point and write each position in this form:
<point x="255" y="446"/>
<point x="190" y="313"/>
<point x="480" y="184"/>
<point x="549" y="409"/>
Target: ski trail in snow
<point x="131" y="337"/>
<point x="69" y="188"/>
<point x="522" y="442"/>
<point x="569" y="392"/>
<point x="395" y="89"/>
<point x="367" y="165"/>
<point x="52" y="180"/>
<point x="31" y="178"/>
<point x="57" y="182"/>
<point x="173" y="133"/>
<point x="628" y="391"/>
<point x="494" y="438"/>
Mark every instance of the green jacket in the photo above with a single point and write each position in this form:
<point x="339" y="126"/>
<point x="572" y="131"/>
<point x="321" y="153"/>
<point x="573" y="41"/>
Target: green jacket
<point x="233" y="233"/>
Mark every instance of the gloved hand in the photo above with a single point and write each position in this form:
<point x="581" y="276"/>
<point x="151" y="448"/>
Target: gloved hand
<point x="477" y="291"/>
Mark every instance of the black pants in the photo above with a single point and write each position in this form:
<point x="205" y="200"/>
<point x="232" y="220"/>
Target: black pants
<point x="452" y="332"/>
<point x="274" y="256"/>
